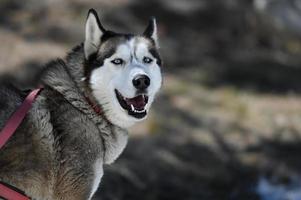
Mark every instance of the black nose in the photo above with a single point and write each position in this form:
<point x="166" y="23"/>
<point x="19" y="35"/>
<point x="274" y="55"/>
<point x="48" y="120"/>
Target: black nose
<point x="141" y="82"/>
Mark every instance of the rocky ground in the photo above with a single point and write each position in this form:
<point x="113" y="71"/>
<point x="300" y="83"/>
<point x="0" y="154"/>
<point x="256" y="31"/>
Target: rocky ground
<point x="230" y="108"/>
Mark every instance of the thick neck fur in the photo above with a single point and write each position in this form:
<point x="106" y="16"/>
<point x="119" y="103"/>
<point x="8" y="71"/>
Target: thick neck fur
<point x="66" y="77"/>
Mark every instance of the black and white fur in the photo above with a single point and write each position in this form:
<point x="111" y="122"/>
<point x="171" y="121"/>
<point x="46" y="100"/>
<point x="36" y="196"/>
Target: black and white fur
<point x="59" y="150"/>
<point x="108" y="77"/>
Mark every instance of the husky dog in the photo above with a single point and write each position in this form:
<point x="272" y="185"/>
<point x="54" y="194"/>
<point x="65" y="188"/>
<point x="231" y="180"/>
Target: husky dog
<point x="77" y="123"/>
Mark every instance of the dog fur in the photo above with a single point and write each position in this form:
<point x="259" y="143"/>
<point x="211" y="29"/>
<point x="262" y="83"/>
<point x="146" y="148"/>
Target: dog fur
<point x="59" y="150"/>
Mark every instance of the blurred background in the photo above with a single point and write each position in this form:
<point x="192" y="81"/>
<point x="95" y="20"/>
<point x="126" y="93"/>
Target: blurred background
<point x="227" y="123"/>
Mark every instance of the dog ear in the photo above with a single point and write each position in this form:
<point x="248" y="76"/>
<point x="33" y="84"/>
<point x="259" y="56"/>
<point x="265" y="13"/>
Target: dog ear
<point x="93" y="33"/>
<point x="151" y="30"/>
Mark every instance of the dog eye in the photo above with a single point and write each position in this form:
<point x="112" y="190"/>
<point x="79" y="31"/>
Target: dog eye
<point x="147" y="60"/>
<point x="117" y="61"/>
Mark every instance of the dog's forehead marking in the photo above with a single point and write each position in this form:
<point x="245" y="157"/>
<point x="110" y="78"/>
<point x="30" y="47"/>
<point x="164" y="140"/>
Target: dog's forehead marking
<point x="142" y="48"/>
<point x="135" y="47"/>
<point x="123" y="51"/>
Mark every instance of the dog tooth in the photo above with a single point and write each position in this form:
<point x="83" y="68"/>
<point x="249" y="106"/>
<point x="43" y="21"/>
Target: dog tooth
<point x="132" y="107"/>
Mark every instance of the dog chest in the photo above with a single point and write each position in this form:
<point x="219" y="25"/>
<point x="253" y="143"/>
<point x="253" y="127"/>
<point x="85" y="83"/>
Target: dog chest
<point x="97" y="175"/>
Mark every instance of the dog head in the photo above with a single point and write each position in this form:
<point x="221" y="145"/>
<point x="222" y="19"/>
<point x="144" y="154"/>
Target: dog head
<point x="123" y="70"/>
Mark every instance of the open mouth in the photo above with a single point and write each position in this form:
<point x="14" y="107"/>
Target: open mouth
<point x="135" y="106"/>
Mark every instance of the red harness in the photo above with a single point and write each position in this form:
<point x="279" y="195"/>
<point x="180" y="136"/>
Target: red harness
<point x="8" y="130"/>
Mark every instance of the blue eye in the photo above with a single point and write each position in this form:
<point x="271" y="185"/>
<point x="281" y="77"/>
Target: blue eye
<point x="147" y="60"/>
<point x="117" y="61"/>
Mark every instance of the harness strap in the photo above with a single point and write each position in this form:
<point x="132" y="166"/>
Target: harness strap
<point x="11" y="194"/>
<point x="8" y="130"/>
<point x="18" y="116"/>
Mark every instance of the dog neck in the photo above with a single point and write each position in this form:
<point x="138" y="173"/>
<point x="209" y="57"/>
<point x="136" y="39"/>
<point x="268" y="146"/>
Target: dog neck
<point x="93" y="104"/>
<point x="60" y="78"/>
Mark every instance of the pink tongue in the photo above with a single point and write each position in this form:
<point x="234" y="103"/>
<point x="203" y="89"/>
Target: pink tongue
<point x="138" y="102"/>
